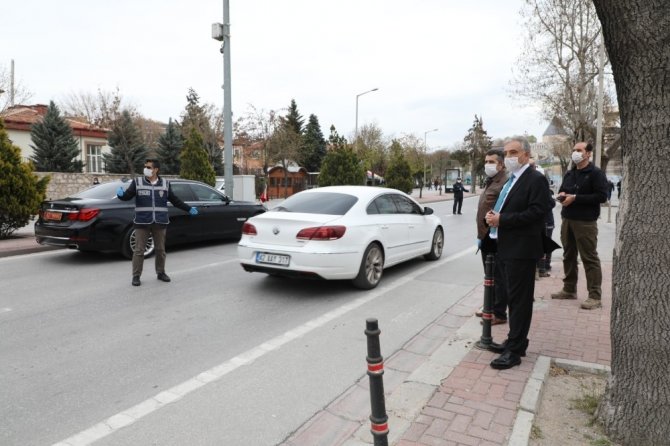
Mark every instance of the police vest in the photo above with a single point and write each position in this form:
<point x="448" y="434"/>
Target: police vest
<point x="151" y="201"/>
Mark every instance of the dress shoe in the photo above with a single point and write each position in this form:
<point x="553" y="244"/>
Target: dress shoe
<point x="564" y="295"/>
<point x="136" y="281"/>
<point x="479" y="312"/>
<point x="506" y="361"/>
<point x="502" y="348"/>
<point x="544" y="274"/>
<point x="496" y="321"/>
<point x="163" y="277"/>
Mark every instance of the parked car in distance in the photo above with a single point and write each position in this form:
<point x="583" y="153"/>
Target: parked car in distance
<point x="340" y="232"/>
<point x="96" y="220"/>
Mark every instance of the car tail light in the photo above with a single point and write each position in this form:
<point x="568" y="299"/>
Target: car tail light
<point x="322" y="233"/>
<point x="249" y="229"/>
<point x="84" y="214"/>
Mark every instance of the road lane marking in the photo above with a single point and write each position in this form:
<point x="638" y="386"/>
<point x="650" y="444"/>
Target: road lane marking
<point x="5" y="310"/>
<point x="169" y="396"/>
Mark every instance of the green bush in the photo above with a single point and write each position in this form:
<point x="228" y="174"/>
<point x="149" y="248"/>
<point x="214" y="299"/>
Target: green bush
<point x="21" y="191"/>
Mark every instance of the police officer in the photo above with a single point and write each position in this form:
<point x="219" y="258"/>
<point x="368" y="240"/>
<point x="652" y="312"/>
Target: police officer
<point x="152" y="194"/>
<point x="458" y="195"/>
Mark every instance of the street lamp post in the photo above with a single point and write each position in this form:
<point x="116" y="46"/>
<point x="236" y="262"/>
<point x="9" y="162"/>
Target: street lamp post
<point x="221" y="32"/>
<point x="357" y="96"/>
<point x="425" y="152"/>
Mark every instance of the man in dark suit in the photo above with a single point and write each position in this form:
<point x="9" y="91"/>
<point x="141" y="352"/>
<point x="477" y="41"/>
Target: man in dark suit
<point x="517" y="222"/>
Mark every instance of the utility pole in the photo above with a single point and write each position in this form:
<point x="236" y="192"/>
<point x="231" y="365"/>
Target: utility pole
<point x="221" y="32"/>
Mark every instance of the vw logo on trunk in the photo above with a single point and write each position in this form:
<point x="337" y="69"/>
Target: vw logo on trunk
<point x="275" y="230"/>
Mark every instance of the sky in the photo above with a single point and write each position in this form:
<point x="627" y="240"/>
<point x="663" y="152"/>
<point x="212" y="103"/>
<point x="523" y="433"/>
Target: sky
<point x="436" y="63"/>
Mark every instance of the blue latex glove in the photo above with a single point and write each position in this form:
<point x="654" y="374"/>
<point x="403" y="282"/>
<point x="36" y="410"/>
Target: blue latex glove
<point x="193" y="211"/>
<point x="119" y="192"/>
<point x="479" y="243"/>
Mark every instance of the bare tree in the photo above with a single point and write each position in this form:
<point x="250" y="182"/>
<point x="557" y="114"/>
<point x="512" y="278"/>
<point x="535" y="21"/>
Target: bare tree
<point x="559" y="65"/>
<point x="21" y="92"/>
<point x="102" y="108"/>
<point x="636" y="410"/>
<point x="259" y="125"/>
<point x="372" y="148"/>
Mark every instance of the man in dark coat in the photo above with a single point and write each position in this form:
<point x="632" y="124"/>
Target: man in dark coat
<point x="517" y="222"/>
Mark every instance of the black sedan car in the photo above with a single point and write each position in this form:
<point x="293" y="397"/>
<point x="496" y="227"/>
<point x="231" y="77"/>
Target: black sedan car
<point x="95" y="220"/>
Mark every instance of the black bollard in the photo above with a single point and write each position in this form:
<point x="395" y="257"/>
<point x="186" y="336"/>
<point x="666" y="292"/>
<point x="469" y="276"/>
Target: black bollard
<point x="378" y="418"/>
<point x="489" y="295"/>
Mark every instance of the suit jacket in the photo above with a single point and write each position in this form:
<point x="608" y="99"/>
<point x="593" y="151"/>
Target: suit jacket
<point x="521" y="227"/>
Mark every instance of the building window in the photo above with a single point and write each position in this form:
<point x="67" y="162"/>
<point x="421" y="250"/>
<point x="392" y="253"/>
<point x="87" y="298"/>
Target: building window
<point x="94" y="158"/>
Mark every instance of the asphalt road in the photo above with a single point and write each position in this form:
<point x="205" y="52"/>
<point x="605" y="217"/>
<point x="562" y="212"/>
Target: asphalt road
<point x="79" y="344"/>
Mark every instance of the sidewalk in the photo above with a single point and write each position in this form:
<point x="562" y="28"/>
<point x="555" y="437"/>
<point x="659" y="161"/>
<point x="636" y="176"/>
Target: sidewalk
<point x="440" y="389"/>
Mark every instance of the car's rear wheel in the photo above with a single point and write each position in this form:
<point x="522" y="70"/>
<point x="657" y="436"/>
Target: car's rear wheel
<point x="129" y="241"/>
<point x="372" y="268"/>
<point x="437" y="245"/>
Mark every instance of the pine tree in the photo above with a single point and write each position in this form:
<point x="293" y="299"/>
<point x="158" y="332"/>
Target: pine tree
<point x="477" y="143"/>
<point x="199" y="117"/>
<point x="55" y="147"/>
<point x="194" y="163"/>
<point x="313" y="148"/>
<point x="21" y="192"/>
<point x="341" y="165"/>
<point x="293" y="118"/>
<point x="128" y="153"/>
<point x="399" y="174"/>
<point x="170" y="144"/>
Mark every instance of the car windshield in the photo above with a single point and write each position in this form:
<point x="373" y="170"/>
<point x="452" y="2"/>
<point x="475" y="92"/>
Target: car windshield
<point x="318" y="203"/>
<point x="101" y="191"/>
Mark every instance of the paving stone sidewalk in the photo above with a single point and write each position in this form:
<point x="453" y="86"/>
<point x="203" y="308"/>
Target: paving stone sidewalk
<point x="440" y="389"/>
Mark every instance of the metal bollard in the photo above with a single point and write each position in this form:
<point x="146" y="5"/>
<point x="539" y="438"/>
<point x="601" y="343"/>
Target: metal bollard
<point x="378" y="417"/>
<point x="489" y="295"/>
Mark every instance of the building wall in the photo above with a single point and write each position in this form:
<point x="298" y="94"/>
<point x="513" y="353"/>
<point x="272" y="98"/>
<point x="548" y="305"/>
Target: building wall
<point x="22" y="140"/>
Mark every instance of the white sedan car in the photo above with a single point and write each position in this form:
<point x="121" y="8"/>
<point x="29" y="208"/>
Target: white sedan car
<point x="340" y="232"/>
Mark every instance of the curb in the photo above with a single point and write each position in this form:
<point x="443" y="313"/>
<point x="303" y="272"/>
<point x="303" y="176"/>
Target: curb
<point x="532" y="392"/>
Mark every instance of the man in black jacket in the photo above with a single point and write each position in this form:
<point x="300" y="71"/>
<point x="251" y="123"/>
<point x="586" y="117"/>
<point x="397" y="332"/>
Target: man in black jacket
<point x="517" y="222"/>
<point x="458" y="195"/>
<point x="584" y="188"/>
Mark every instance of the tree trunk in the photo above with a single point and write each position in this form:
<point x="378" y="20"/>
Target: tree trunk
<point x="636" y="408"/>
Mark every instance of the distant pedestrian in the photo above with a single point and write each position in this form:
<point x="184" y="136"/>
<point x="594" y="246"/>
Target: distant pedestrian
<point x="151" y="193"/>
<point x="435" y="183"/>
<point x="458" y="196"/>
<point x="618" y="188"/>
<point x="95" y="181"/>
<point x="610" y="189"/>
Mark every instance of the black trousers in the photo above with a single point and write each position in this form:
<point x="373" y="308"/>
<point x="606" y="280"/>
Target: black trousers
<point x="458" y="203"/>
<point x="519" y="276"/>
<point x="500" y="298"/>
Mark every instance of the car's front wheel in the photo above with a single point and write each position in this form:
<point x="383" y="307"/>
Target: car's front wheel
<point x="129" y="242"/>
<point x="371" y="269"/>
<point x="437" y="245"/>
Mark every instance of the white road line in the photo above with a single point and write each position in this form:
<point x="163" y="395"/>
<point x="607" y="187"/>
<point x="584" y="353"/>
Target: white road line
<point x="133" y="414"/>
<point x="5" y="310"/>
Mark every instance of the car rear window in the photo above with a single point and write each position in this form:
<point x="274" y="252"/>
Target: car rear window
<point x="101" y="191"/>
<point x="329" y="203"/>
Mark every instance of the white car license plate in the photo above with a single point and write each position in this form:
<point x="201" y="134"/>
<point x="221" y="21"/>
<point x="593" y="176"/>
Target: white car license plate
<point x="272" y="259"/>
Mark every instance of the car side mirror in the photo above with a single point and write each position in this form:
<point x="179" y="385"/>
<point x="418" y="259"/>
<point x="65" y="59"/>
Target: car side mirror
<point x="427" y="211"/>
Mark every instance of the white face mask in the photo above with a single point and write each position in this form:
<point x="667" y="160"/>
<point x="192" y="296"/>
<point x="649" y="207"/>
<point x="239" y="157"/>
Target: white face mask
<point x="148" y="172"/>
<point x="512" y="163"/>
<point x="490" y="170"/>
<point x="577" y="157"/>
